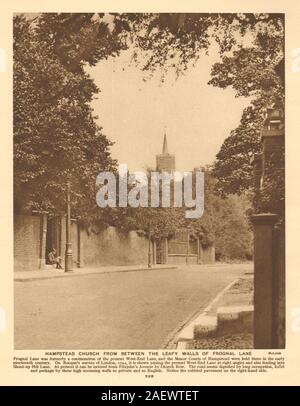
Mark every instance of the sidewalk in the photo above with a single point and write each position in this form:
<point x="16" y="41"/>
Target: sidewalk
<point x="239" y="294"/>
<point x="226" y="323"/>
<point x="41" y="274"/>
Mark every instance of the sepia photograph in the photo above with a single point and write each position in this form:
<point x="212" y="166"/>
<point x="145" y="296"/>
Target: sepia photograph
<point x="149" y="181"/>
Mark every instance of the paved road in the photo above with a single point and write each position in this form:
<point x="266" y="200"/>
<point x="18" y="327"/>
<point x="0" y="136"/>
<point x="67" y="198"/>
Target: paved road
<point x="124" y="310"/>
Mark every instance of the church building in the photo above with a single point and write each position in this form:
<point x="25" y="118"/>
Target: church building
<point x="181" y="248"/>
<point x="165" y="162"/>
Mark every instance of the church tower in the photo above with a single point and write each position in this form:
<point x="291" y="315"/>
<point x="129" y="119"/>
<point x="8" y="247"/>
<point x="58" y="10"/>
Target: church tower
<point x="165" y="162"/>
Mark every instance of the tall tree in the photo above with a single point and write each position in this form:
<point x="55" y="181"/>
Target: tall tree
<point x="251" y="48"/>
<point x="56" y="138"/>
<point x="55" y="133"/>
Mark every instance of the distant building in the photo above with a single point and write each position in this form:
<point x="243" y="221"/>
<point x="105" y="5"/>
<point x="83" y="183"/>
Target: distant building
<point x="165" y="162"/>
<point x="182" y="248"/>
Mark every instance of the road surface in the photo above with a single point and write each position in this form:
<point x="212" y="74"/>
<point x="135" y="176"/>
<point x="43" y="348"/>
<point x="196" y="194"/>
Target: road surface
<point x="120" y="310"/>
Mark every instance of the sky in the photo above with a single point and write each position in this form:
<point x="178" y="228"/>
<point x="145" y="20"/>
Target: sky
<point x="134" y="114"/>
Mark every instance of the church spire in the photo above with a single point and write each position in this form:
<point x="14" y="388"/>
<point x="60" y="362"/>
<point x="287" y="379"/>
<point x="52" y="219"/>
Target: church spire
<point x="165" y="162"/>
<point x="165" y="146"/>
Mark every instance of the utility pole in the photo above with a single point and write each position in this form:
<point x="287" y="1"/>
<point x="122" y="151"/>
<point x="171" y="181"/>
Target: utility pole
<point x="68" y="253"/>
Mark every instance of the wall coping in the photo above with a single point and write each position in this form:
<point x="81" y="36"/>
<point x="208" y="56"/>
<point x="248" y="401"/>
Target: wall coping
<point x="264" y="219"/>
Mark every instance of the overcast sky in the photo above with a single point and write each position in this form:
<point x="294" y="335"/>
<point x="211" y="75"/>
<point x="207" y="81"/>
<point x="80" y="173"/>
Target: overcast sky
<point x="133" y="113"/>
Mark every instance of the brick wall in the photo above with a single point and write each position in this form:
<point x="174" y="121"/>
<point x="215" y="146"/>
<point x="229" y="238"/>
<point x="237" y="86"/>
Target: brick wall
<point x="279" y="287"/>
<point x="100" y="248"/>
<point x="111" y="247"/>
<point x="108" y="247"/>
<point x="27" y="234"/>
<point x="208" y="255"/>
<point x="174" y="259"/>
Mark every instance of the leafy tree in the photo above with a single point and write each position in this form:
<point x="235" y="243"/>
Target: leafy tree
<point x="251" y="48"/>
<point x="56" y="138"/>
<point x="253" y="72"/>
<point x="157" y="223"/>
<point x="151" y="222"/>
<point x="224" y="223"/>
<point x="233" y="235"/>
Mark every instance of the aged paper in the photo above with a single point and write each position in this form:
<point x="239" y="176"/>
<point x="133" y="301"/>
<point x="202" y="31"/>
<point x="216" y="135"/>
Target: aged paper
<point x="107" y="277"/>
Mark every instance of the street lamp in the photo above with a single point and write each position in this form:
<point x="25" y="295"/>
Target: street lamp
<point x="187" y="247"/>
<point x="149" y="250"/>
<point x="68" y="253"/>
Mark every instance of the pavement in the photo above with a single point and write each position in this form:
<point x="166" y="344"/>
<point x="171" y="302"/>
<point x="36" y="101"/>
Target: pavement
<point x="114" y="309"/>
<point x="50" y="273"/>
<point x="226" y="321"/>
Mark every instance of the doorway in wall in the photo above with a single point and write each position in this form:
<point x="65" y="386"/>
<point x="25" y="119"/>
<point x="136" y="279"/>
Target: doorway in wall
<point x="52" y="236"/>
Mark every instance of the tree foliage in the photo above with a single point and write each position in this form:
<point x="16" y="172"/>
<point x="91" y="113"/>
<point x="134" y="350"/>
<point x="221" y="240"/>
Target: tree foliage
<point x="56" y="138"/>
<point x="253" y="72"/>
<point x="251" y="49"/>
<point x="224" y="223"/>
